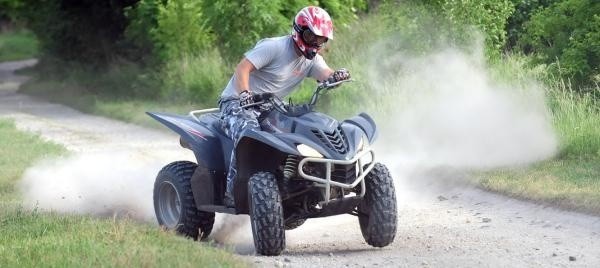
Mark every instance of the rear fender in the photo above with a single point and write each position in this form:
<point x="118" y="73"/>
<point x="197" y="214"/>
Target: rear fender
<point x="196" y="137"/>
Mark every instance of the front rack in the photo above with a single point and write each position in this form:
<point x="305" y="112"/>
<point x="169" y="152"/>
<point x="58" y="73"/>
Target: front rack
<point x="327" y="182"/>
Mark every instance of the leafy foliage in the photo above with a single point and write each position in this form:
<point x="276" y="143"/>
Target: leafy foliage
<point x="566" y="35"/>
<point x="240" y="24"/>
<point x="85" y="31"/>
<point x="7" y="10"/>
<point x="17" y="45"/>
<point x="490" y="16"/>
<point x="169" y="28"/>
<point x="523" y="11"/>
<point x="458" y="22"/>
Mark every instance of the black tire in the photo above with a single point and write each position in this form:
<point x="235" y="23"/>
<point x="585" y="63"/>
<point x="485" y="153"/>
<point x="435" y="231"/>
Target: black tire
<point x="377" y="211"/>
<point x="266" y="214"/>
<point x="294" y="224"/>
<point x="174" y="203"/>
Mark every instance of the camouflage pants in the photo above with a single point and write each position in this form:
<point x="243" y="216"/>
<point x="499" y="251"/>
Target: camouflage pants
<point x="235" y="121"/>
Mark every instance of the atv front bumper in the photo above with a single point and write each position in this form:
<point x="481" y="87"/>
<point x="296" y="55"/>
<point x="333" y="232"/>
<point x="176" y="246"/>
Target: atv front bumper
<point x="359" y="162"/>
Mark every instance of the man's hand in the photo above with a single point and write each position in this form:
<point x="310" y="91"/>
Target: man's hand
<point x="246" y="98"/>
<point x="340" y="75"/>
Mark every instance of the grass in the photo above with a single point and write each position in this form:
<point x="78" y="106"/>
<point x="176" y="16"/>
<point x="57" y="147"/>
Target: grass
<point x="577" y="120"/>
<point x="17" y="152"/>
<point x="33" y="238"/>
<point x="17" y="45"/>
<point x="567" y="183"/>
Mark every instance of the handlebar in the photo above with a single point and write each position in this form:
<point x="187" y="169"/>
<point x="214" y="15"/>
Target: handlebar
<point x="328" y="85"/>
<point x="267" y="97"/>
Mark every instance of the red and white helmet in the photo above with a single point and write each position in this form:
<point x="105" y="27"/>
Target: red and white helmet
<point x="312" y="28"/>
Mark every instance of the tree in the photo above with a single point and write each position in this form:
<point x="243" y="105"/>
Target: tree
<point x="566" y="36"/>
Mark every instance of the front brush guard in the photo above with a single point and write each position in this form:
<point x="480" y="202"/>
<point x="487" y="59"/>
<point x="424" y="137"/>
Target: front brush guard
<point x="327" y="182"/>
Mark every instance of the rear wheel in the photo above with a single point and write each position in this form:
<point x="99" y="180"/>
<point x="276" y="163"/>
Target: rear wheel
<point x="377" y="211"/>
<point x="266" y="214"/>
<point x="174" y="202"/>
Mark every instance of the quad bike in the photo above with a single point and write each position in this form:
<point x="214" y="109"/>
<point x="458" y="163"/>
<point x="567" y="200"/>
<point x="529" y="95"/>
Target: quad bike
<point x="301" y="165"/>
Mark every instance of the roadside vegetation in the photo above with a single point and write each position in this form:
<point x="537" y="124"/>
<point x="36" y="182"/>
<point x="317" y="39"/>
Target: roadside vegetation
<point x="17" y="45"/>
<point x="30" y="238"/>
<point x="178" y="55"/>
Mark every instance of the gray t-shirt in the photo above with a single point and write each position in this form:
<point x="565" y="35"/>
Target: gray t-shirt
<point x="278" y="68"/>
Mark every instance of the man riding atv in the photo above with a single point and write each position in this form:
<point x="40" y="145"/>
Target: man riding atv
<point x="280" y="163"/>
<point x="276" y="65"/>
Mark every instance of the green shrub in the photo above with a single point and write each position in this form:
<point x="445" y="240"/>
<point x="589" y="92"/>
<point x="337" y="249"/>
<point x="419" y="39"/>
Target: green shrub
<point x="85" y="31"/>
<point x="7" y="10"/>
<point x="196" y="79"/>
<point x="169" y="29"/>
<point x="488" y="16"/>
<point x="457" y="23"/>
<point x="240" y="24"/>
<point x="17" y="45"/>
<point x="566" y="36"/>
<point x="523" y="11"/>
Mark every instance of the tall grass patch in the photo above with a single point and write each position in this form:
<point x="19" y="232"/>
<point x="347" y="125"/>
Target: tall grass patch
<point x="576" y="119"/>
<point x="18" y="45"/>
<point x="196" y="78"/>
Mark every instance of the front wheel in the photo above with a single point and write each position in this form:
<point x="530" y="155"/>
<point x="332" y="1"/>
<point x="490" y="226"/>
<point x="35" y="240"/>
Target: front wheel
<point x="266" y="214"/>
<point x="174" y="202"/>
<point x="377" y="211"/>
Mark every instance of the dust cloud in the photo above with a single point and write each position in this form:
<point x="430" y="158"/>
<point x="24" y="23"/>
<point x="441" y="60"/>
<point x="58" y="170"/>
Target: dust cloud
<point x="114" y="185"/>
<point x="102" y="184"/>
<point x="444" y="111"/>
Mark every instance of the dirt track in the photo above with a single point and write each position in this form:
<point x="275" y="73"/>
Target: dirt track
<point x="439" y="225"/>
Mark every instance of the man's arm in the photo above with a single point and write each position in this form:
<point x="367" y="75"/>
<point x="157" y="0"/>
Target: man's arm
<point x="339" y="75"/>
<point x="324" y="74"/>
<point x="242" y="75"/>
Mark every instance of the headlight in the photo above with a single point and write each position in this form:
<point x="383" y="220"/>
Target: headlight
<point x="308" y="151"/>
<point x="363" y="143"/>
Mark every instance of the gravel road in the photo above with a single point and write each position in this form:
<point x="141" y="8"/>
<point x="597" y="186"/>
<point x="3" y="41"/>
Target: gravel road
<point x="440" y="224"/>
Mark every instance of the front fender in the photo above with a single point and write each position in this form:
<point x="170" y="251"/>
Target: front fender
<point x="366" y="124"/>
